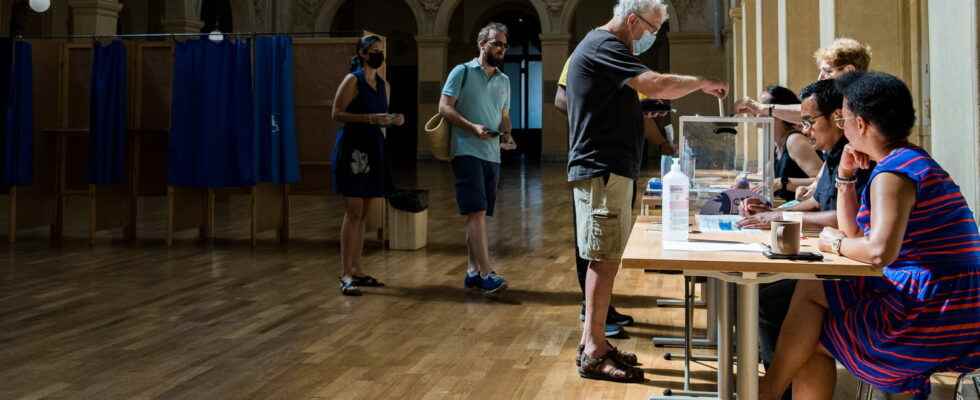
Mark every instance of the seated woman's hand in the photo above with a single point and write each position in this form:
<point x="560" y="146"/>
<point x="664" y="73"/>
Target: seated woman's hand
<point x="851" y="161"/>
<point x="827" y="237"/>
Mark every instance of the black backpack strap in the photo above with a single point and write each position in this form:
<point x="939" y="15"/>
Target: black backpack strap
<point x="466" y="72"/>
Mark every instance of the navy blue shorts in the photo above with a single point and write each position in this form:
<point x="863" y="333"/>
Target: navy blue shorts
<point x="476" y="184"/>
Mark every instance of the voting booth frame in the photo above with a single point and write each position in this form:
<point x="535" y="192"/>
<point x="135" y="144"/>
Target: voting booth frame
<point x="62" y="68"/>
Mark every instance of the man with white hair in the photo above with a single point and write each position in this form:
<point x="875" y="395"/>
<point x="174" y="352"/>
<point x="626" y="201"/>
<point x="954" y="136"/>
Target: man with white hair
<point x="606" y="136"/>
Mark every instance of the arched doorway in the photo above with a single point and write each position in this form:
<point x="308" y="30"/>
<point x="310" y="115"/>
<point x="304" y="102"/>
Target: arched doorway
<point x="398" y="25"/>
<point x="523" y="64"/>
<point x="24" y="21"/>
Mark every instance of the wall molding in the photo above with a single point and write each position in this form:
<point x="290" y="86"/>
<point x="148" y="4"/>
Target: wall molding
<point x="691" y="38"/>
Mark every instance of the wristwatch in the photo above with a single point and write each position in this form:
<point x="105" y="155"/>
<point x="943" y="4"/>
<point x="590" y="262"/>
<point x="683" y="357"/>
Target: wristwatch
<point x="835" y="245"/>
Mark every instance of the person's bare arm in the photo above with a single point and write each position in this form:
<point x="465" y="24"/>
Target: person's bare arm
<point x="561" y="100"/>
<point x="506" y="139"/>
<point x="847" y="195"/>
<point x="786" y="112"/>
<point x="447" y="109"/>
<point x="820" y="219"/>
<point x="345" y="94"/>
<point x="892" y="199"/>
<point x="806" y="192"/>
<point x="795" y="183"/>
<point x="801" y="151"/>
<point x="668" y="86"/>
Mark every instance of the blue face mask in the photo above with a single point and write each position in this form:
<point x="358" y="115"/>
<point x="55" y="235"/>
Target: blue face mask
<point x="644" y="43"/>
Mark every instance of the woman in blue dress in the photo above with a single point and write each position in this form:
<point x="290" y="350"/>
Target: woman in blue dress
<point x="921" y="316"/>
<point x="358" y="164"/>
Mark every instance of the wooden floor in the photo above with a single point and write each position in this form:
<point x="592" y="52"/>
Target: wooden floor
<point x="143" y="321"/>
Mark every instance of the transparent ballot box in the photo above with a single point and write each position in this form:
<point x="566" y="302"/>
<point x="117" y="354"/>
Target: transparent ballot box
<point x="727" y="160"/>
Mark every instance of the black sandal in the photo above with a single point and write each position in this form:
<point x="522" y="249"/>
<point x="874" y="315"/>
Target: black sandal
<point x="607" y="368"/>
<point x="629" y="359"/>
<point x="367" y="281"/>
<point x="349" y="288"/>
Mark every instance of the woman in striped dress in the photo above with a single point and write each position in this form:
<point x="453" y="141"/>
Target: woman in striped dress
<point x="923" y="315"/>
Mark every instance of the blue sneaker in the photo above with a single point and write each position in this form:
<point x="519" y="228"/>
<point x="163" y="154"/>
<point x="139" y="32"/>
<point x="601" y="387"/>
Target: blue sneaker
<point x="493" y="283"/>
<point x="472" y="281"/>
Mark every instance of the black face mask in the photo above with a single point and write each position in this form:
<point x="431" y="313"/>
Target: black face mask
<point x="375" y="60"/>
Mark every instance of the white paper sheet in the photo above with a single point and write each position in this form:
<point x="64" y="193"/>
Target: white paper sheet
<point x="714" y="246"/>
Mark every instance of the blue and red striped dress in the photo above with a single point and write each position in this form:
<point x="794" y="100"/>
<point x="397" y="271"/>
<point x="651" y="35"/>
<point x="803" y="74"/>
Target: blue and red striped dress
<point x="923" y="316"/>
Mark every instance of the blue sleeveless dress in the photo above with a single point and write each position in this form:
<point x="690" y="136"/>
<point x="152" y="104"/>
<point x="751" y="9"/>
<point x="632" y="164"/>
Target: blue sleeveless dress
<point x="358" y="165"/>
<point x="923" y="315"/>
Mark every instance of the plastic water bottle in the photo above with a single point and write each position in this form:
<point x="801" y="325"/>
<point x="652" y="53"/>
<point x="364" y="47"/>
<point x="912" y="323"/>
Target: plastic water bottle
<point x="676" y="192"/>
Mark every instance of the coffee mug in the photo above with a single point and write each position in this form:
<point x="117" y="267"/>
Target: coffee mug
<point x="785" y="237"/>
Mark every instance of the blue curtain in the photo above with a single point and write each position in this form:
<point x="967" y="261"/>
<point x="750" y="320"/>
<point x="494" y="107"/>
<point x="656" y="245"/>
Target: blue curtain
<point x="212" y="135"/>
<point x="107" y="129"/>
<point x="6" y="65"/>
<point x="276" y="159"/>
<point x="17" y="167"/>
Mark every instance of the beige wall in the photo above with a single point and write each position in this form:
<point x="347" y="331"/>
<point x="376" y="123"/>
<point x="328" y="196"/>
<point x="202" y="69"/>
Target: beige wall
<point x="883" y="24"/>
<point x="695" y="54"/>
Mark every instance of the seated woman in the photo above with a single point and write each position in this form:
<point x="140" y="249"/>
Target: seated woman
<point x="921" y="316"/>
<point x="796" y="161"/>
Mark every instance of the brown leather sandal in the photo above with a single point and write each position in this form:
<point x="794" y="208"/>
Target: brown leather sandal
<point x="629" y="359"/>
<point x="607" y="368"/>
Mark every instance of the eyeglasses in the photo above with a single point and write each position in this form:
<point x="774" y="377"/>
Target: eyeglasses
<point x="655" y="29"/>
<point x="499" y="44"/>
<point x="808" y="121"/>
<point x="839" y="121"/>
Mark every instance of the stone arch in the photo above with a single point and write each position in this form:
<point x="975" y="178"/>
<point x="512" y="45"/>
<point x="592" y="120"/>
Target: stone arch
<point x="328" y="11"/>
<point x="568" y="16"/>
<point x="445" y="14"/>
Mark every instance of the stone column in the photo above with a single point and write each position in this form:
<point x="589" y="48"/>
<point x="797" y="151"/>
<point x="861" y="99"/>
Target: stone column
<point x="828" y="24"/>
<point x="767" y="43"/>
<point x="95" y="16"/>
<point x="554" y="52"/>
<point x="803" y="38"/>
<point x="182" y="16"/>
<point x="954" y="78"/>
<point x="432" y="74"/>
<point x="182" y="25"/>
<point x="738" y="72"/>
<point x="752" y="74"/>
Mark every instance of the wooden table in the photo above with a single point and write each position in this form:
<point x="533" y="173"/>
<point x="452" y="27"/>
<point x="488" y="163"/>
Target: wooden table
<point x="644" y="250"/>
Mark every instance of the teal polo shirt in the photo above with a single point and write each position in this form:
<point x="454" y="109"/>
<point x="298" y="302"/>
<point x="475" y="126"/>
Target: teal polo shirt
<point x="482" y="102"/>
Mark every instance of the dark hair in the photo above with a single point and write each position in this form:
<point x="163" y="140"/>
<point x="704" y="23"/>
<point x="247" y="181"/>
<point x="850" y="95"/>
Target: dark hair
<point x="365" y="43"/>
<point x="825" y="93"/>
<point x="881" y="99"/>
<point x="484" y="34"/>
<point x="781" y="95"/>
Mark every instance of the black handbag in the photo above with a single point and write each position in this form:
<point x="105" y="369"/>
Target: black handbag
<point x="409" y="200"/>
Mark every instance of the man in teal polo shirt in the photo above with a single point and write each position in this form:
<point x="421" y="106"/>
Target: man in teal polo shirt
<point x="476" y="101"/>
